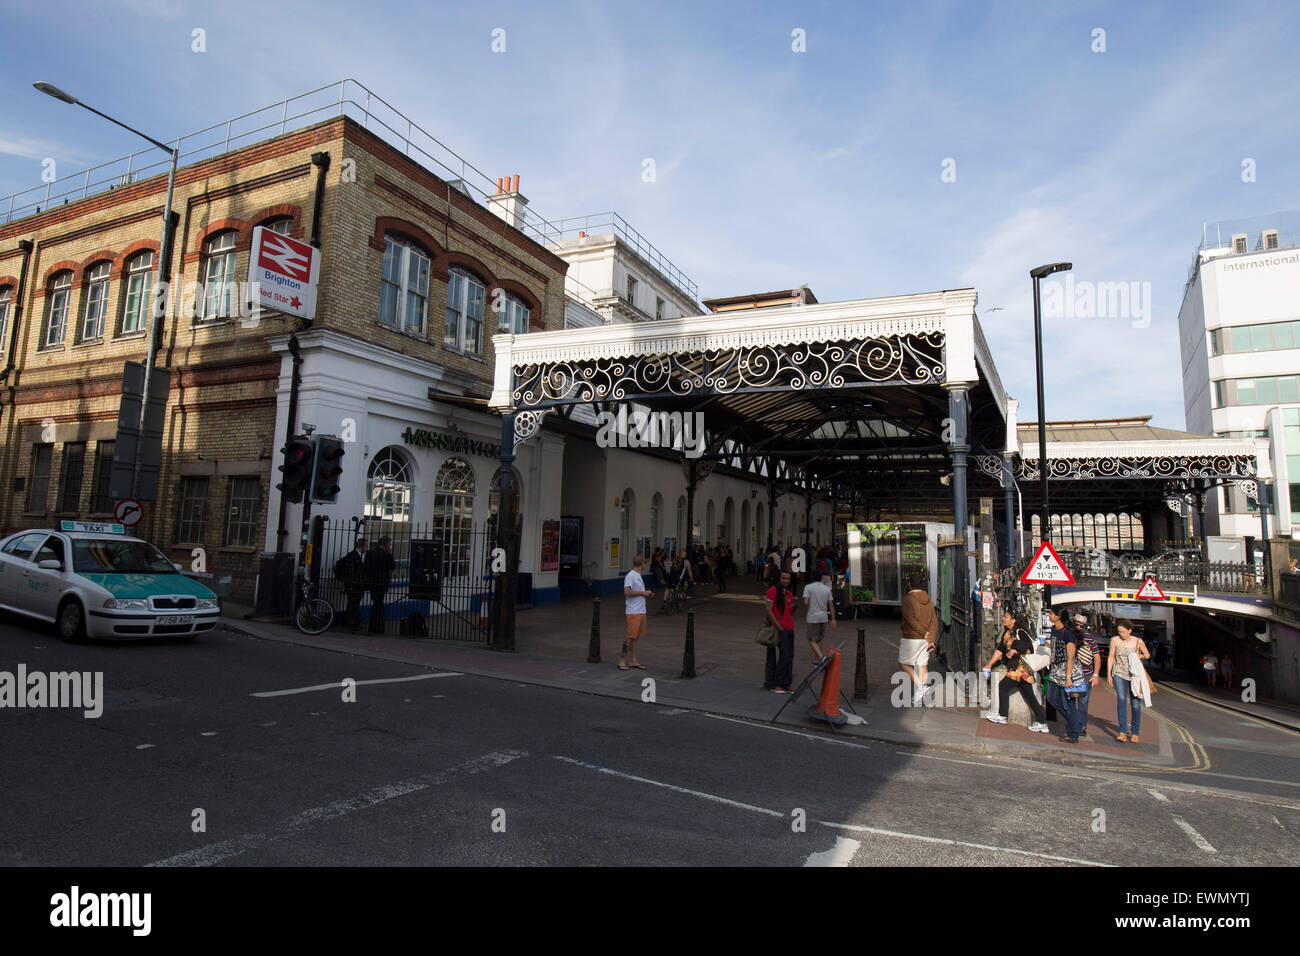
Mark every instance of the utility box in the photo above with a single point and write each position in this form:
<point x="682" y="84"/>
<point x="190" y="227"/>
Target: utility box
<point x="1225" y="548"/>
<point x="275" y="584"/>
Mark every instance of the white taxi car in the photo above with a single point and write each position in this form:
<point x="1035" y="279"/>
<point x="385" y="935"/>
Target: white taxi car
<point x="93" y="580"/>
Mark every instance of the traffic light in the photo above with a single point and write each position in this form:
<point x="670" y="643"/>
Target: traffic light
<point x="326" y="470"/>
<point x="297" y="467"/>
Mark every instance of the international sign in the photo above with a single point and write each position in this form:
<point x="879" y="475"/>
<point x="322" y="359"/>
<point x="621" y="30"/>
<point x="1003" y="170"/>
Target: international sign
<point x="1046" y="568"/>
<point x="282" y="273"/>
<point x="1150" y="591"/>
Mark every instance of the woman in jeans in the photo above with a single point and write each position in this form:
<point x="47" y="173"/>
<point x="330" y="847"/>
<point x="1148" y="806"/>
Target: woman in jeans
<point x="1119" y="677"/>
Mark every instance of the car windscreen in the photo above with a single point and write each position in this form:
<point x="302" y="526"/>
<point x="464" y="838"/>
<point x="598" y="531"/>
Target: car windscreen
<point x="119" y="557"/>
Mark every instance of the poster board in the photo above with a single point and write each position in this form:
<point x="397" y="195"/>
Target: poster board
<point x="550" y="546"/>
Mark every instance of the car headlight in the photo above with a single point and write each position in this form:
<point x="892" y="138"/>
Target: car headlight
<point x="208" y="602"/>
<point x="126" y="603"/>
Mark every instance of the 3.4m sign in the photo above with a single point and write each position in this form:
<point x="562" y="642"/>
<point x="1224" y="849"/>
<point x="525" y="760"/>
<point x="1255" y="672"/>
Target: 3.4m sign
<point x="282" y="273"/>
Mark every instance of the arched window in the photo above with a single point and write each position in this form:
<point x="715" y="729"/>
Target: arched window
<point x="514" y="316"/>
<point x="494" y="503"/>
<point x="746" y="534"/>
<point x="139" y="283"/>
<point x="95" y="302"/>
<point x="6" y="306"/>
<point x="404" y="286"/>
<point x="627" y="529"/>
<point x="281" y="226"/>
<point x="56" y="309"/>
<point x="710" y="524"/>
<point x="390" y="486"/>
<point x="466" y="295"/>
<point x="218" y="275"/>
<point x="453" y="514"/>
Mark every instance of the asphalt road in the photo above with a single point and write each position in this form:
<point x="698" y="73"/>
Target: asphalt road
<point x="436" y="769"/>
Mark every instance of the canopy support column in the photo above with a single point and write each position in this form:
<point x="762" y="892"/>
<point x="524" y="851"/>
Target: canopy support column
<point x="507" y="543"/>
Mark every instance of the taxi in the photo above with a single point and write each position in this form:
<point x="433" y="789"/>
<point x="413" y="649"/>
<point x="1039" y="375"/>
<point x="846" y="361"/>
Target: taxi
<point x="94" y="580"/>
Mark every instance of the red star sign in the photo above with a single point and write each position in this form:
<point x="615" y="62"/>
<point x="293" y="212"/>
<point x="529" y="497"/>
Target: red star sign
<point x="295" y="303"/>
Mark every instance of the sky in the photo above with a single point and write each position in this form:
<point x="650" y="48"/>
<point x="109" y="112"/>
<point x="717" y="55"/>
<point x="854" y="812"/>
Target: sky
<point x="864" y="149"/>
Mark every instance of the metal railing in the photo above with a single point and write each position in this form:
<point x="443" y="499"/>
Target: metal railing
<point x="1219" y="235"/>
<point x="1129" y="571"/>
<point x="606" y="222"/>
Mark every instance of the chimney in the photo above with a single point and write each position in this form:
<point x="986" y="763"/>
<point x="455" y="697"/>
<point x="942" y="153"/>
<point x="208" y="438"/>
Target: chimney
<point x="508" y="204"/>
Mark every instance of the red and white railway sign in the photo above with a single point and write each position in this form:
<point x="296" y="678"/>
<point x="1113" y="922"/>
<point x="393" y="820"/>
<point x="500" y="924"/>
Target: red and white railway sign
<point x="1150" y="591"/>
<point x="1046" y="568"/>
<point x="283" y="272"/>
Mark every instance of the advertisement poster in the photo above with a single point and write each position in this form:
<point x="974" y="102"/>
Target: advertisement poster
<point x="550" y="545"/>
<point x="613" y="552"/>
<point x="571" y="540"/>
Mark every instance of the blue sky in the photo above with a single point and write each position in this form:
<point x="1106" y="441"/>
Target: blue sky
<point x="774" y="168"/>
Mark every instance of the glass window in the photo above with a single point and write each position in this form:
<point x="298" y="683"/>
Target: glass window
<point x="404" y="286"/>
<point x="1241" y="339"/>
<point x="1261" y="337"/>
<point x="1290" y="416"/>
<point x="74" y="466"/>
<point x="139" y="283"/>
<point x="56" y="316"/>
<point x="659" y="309"/>
<point x="514" y="316"/>
<point x="192" y="511"/>
<point x="6" y="304"/>
<point x="389" y="486"/>
<point x="1218" y="394"/>
<point x="1282" y="338"/>
<point x="243" y="508"/>
<point x="23" y="545"/>
<point x="219" y="288"/>
<point x="1288" y="389"/>
<point x="631" y="290"/>
<point x="1295" y="501"/>
<point x="96" y="305"/>
<point x="1214" y="341"/>
<point x="1245" y="391"/>
<point x="1265" y="391"/>
<point x="466" y="298"/>
<point x="122" y="556"/>
<point x="279" y="226"/>
<point x="453" y="514"/>
<point x="103" y="502"/>
<point x="39" y="480"/>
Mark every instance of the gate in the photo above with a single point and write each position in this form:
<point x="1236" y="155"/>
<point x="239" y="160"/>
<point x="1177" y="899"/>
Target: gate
<point x="441" y="586"/>
<point x="954" y="608"/>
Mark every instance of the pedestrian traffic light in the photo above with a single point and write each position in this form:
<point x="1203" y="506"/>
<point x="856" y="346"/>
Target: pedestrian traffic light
<point x="326" y="470"/>
<point x="297" y="467"/>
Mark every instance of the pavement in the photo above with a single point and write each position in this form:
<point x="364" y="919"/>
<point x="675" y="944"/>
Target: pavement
<point x="553" y="642"/>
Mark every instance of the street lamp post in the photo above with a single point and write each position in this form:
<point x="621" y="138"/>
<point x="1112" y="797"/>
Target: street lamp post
<point x="1043" y="520"/>
<point x="160" y="295"/>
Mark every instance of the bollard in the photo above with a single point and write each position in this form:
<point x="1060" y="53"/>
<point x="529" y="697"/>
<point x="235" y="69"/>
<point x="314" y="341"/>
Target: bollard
<point x="769" y="672"/>
<point x="593" y="650"/>
<point x="688" y="658"/>
<point x="860" y="670"/>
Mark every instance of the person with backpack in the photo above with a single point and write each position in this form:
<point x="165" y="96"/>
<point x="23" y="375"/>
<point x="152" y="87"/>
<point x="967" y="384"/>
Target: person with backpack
<point x="1065" y="676"/>
<point x="350" y="571"/>
<point x="1088" y="660"/>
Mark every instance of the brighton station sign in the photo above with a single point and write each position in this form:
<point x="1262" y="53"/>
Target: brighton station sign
<point x="454" y="444"/>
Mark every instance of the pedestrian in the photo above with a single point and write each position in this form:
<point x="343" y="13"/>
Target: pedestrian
<point x="350" y="571"/>
<point x="1012" y="647"/>
<point x="634" y="595"/>
<point x="821" y="611"/>
<point x="379" y="571"/>
<point x="1065" y="676"/>
<point x="1225" y="668"/>
<point x="1119" y="675"/>
<point x="1211" y="665"/>
<point x="721" y="561"/>
<point x="920" y="630"/>
<point x="780" y="614"/>
<point x="1089" y="663"/>
<point x="657" y="570"/>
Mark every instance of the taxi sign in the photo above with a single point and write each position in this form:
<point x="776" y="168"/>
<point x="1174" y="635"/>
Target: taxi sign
<point x="1046" y="568"/>
<point x="92" y="527"/>
<point x="1150" y="591"/>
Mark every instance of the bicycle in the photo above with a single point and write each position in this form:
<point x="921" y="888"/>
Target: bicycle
<point x="675" y="597"/>
<point x="314" y="613"/>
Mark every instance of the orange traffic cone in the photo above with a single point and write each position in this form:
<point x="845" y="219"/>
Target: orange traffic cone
<point x="828" y="707"/>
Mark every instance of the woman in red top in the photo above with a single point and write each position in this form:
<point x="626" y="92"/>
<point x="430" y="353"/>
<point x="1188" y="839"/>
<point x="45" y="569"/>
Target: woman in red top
<point x="780" y="614"/>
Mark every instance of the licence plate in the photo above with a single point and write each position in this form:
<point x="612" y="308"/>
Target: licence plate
<point x="176" y="619"/>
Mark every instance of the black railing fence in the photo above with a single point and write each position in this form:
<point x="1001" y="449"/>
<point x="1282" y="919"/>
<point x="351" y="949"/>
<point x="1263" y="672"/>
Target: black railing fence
<point x="441" y="585"/>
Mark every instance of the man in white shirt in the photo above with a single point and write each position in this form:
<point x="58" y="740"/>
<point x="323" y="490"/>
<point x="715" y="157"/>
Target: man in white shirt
<point x="821" y="609"/>
<point x="634" y="595"/>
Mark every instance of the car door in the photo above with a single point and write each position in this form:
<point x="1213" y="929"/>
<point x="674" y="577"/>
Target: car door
<point x="45" y="586"/>
<point x="13" y="566"/>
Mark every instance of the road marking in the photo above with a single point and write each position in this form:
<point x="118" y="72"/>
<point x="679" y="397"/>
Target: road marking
<point x="995" y="766"/>
<point x="820" y="738"/>
<point x="337" y="685"/>
<point x="897" y="834"/>
<point x="1196" y="838"/>
<point x="208" y="733"/>
<point x="144" y="746"/>
<point x="217" y="852"/>
<point x="841" y="854"/>
<point x="1274" y="725"/>
<point x="1158" y="795"/>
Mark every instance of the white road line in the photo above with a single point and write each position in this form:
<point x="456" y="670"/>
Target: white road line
<point x="841" y="854"/>
<point x="897" y="834"/>
<point x="338" y="685"/>
<point x="994" y="766"/>
<point x="144" y="746"/>
<point x="1196" y="838"/>
<point x="216" y="852"/>
<point x="820" y="738"/>
<point x="669" y="786"/>
<point x="1158" y="795"/>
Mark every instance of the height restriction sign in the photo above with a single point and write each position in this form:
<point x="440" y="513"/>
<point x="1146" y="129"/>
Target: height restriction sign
<point x="1046" y="568"/>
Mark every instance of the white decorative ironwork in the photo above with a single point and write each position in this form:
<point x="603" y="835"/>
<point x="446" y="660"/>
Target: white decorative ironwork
<point x="1163" y="466"/>
<point x="528" y="423"/>
<point x="1248" y="488"/>
<point x="1177" y="506"/>
<point x="991" y="465"/>
<point x="703" y="468"/>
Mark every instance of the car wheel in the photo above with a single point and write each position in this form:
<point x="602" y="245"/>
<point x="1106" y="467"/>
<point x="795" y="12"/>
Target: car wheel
<point x="72" y="621"/>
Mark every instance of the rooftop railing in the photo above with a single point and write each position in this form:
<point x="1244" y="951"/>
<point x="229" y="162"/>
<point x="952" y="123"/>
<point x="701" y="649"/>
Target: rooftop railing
<point x="1220" y="235"/>
<point x="606" y="222"/>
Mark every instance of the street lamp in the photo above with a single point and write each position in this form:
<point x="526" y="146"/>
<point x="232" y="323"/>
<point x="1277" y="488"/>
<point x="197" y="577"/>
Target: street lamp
<point x="1037" y="274"/>
<point x="159" y="293"/>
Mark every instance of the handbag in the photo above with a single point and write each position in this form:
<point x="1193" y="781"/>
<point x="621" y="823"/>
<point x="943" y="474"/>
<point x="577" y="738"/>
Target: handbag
<point x="766" y="635"/>
<point x="1036" y="662"/>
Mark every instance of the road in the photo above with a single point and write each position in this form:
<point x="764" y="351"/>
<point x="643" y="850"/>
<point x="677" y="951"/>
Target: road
<point x="434" y="768"/>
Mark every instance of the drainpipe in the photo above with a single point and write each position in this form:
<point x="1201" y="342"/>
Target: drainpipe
<point x="26" y="245"/>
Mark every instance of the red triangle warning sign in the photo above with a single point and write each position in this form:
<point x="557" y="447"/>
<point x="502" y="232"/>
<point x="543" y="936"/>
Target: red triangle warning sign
<point x="1150" y="590"/>
<point x="1046" y="568"/>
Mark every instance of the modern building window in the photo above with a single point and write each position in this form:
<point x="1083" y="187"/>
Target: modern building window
<point x="243" y="507"/>
<point x="70" y="476"/>
<point x="103" y="502"/>
<point x="1215" y="348"/>
<point x="466" y="296"/>
<point x="390" y="486"/>
<point x="56" y="309"/>
<point x="219" y="289"/>
<point x="1256" y="338"/>
<point x="95" y="304"/>
<point x="6" y="306"/>
<point x="38" y="484"/>
<point x="453" y="514"/>
<point x="192" y="511"/>
<point x="659" y="308"/>
<point x="514" y="316"/>
<point x="404" y="286"/>
<point x="631" y="290"/>
<point x="1270" y="239"/>
<point x="1267" y="391"/>
<point x="139" y="283"/>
